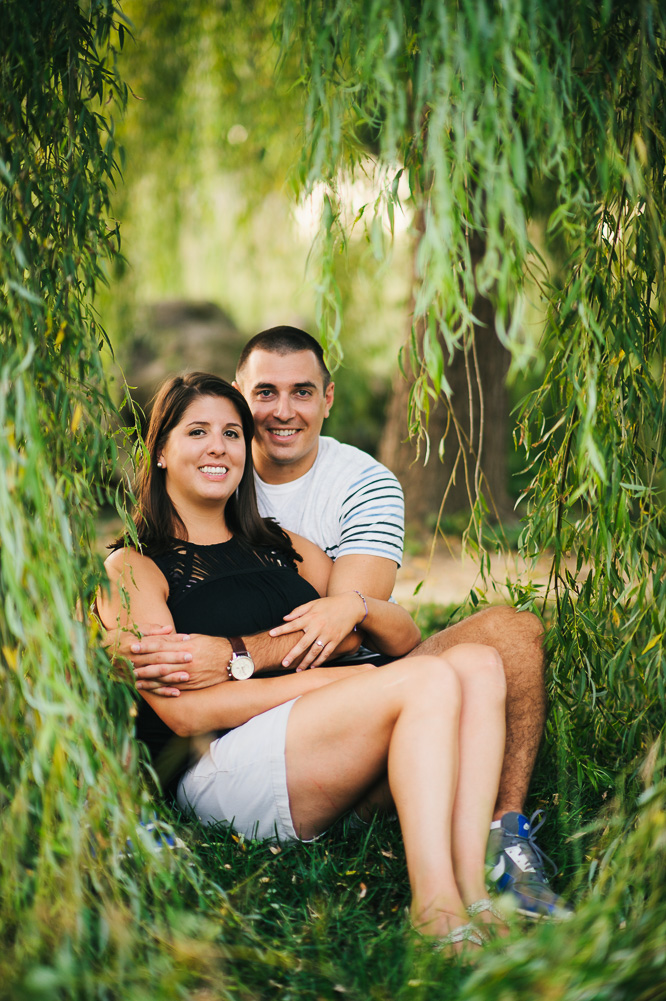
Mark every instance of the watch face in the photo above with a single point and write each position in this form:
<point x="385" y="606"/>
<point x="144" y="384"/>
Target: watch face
<point x="242" y="668"/>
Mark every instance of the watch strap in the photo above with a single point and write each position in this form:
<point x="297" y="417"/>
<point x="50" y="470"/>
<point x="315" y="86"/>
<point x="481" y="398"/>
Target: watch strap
<point x="238" y="646"/>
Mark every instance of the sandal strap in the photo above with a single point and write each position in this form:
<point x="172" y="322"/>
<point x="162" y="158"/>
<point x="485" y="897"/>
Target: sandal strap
<point x="485" y="904"/>
<point x="463" y="933"/>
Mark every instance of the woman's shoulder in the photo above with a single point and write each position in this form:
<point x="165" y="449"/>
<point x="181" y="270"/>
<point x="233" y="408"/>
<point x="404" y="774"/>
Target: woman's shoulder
<point x="126" y="560"/>
<point x="300" y="543"/>
<point x="316" y="565"/>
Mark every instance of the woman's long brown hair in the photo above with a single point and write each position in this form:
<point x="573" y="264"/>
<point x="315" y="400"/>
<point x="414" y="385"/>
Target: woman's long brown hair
<point x="156" y="519"/>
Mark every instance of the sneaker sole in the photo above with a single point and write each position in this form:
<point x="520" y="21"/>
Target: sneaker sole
<point x="532" y="916"/>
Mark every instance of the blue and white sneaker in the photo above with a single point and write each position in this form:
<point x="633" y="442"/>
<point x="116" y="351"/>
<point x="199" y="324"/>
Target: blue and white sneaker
<point x="155" y="837"/>
<point x="515" y="867"/>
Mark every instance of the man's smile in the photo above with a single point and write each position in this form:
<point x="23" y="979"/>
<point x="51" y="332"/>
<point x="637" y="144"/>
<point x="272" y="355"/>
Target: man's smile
<point x="283" y="432"/>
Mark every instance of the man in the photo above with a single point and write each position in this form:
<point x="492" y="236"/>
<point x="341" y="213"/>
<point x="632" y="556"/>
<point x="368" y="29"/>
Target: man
<point x="333" y="494"/>
<point x="351" y="506"/>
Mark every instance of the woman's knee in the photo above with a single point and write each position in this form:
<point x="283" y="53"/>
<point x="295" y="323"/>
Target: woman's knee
<point x="432" y="678"/>
<point x="479" y="665"/>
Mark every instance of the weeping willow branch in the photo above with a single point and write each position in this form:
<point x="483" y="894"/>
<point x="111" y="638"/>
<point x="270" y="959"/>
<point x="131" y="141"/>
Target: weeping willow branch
<point x="500" y="113"/>
<point x="89" y="897"/>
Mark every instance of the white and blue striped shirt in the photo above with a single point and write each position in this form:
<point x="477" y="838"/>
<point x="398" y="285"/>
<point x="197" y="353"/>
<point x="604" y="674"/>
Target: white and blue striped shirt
<point x="347" y="503"/>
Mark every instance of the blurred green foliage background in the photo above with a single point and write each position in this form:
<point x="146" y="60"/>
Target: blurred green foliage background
<point x="163" y="157"/>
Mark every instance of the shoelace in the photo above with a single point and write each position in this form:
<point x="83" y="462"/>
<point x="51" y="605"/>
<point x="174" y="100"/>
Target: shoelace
<point x="541" y="856"/>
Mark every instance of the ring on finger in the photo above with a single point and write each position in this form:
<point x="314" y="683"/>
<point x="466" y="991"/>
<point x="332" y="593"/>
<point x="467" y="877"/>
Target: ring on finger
<point x="319" y="643"/>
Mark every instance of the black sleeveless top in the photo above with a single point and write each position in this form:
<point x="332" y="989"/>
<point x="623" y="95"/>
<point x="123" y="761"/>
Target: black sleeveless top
<point x="228" y="589"/>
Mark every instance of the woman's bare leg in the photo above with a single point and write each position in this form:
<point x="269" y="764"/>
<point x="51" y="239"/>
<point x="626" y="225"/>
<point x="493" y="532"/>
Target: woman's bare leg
<point x="482" y="741"/>
<point x="481" y="749"/>
<point x="402" y="719"/>
<point x="480" y="754"/>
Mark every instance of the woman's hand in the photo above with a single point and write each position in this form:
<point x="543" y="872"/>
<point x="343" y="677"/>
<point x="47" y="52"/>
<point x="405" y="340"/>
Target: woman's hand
<point x="325" y="622"/>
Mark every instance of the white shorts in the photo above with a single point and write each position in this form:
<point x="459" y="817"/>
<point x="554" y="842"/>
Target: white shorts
<point x="242" y="779"/>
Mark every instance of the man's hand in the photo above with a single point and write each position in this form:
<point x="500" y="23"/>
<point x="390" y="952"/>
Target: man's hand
<point x="119" y="642"/>
<point x="156" y="661"/>
<point x="163" y="659"/>
<point x="155" y="652"/>
<point x="157" y="658"/>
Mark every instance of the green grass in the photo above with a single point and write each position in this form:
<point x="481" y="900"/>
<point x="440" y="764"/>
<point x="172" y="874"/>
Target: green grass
<point x="329" y="917"/>
<point x="331" y="913"/>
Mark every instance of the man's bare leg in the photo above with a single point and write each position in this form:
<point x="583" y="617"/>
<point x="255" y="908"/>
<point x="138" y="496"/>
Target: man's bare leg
<point x="518" y="638"/>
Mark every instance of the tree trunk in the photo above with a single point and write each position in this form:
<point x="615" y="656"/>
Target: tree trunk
<point x="477" y="376"/>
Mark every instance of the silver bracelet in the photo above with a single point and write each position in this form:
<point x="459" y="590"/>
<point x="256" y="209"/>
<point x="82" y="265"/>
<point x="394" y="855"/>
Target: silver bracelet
<point x="365" y="605"/>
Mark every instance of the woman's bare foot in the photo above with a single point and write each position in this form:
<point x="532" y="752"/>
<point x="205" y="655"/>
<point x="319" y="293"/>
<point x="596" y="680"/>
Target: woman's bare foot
<point x="488" y="918"/>
<point x="450" y="932"/>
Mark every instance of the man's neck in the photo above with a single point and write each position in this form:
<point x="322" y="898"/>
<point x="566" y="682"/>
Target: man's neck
<point x="282" y="472"/>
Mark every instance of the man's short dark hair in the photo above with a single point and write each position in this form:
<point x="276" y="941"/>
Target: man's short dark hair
<point x="283" y="340"/>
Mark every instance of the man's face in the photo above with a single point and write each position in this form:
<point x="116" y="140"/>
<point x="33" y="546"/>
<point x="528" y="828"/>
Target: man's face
<point x="288" y="402"/>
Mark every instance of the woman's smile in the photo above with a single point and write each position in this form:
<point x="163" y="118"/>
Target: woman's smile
<point x="213" y="470"/>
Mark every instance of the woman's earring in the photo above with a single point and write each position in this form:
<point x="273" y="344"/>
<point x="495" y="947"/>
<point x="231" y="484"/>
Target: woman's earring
<point x="160" y="465"/>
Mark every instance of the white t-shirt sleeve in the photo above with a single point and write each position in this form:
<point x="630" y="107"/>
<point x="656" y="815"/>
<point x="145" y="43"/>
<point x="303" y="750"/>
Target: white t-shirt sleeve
<point x="347" y="504"/>
<point x="372" y="516"/>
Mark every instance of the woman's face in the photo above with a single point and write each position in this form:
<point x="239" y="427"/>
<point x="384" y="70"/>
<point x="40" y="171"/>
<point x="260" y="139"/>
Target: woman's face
<point x="204" y="456"/>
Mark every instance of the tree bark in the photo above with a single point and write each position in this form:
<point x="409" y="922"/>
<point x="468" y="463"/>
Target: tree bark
<point x="479" y="404"/>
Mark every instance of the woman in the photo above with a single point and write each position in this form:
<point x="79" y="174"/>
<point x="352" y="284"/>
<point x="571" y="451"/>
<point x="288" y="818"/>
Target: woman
<point x="289" y="755"/>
